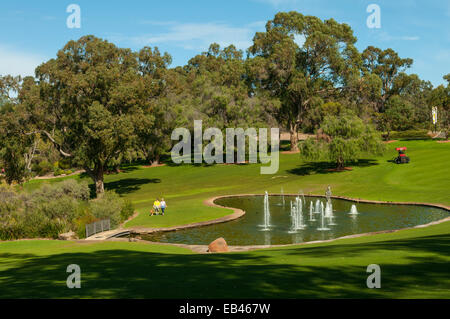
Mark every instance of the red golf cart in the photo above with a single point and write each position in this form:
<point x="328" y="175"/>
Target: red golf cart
<point x="401" y="158"/>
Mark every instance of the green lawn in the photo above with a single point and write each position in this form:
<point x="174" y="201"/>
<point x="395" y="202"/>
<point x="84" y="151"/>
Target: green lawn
<point x="426" y="178"/>
<point x="414" y="263"/>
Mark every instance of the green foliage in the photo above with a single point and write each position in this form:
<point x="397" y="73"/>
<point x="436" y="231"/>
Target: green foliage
<point x="112" y="206"/>
<point x="84" y="218"/>
<point x="43" y="168"/>
<point x="342" y="139"/>
<point x="127" y="210"/>
<point x="46" y="212"/>
<point x="399" y="114"/>
<point x="410" y="135"/>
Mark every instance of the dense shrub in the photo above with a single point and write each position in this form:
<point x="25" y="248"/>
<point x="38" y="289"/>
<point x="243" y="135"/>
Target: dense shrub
<point x="84" y="218"/>
<point x="64" y="164"/>
<point x="9" y="200"/>
<point x="56" y="208"/>
<point x="410" y="135"/>
<point x="43" y="168"/>
<point x="127" y="210"/>
<point x="68" y="187"/>
<point x="111" y="206"/>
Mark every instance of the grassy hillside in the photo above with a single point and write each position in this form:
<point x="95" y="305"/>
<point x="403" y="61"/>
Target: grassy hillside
<point x="426" y="179"/>
<point x="414" y="262"/>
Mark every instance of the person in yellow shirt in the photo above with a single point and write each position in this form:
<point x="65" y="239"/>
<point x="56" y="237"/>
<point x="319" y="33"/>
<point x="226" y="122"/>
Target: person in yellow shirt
<point x="156" y="207"/>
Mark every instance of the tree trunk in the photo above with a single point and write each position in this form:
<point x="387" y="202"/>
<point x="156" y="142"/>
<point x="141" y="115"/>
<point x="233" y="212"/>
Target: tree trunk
<point x="97" y="176"/>
<point x="155" y="160"/>
<point x="99" y="184"/>
<point x="294" y="137"/>
<point x="340" y="163"/>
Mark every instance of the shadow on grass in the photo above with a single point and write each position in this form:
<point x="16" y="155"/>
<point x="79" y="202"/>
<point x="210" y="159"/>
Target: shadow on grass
<point x="328" y="167"/>
<point x="128" y="185"/>
<point x="264" y="274"/>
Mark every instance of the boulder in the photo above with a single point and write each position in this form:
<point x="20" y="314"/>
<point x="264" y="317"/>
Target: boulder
<point x="218" y="246"/>
<point x="68" y="236"/>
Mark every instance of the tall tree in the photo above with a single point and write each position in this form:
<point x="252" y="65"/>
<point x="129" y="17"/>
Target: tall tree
<point x="87" y="102"/>
<point x="14" y="142"/>
<point x="389" y="67"/>
<point x="440" y="98"/>
<point x="154" y="133"/>
<point x="300" y="59"/>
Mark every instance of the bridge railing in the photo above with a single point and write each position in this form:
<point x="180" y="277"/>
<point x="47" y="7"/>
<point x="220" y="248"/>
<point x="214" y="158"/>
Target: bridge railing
<point x="97" y="227"/>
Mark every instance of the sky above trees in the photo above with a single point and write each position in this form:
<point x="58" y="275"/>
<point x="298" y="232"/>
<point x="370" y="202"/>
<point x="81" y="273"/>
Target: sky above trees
<point x="33" y="31"/>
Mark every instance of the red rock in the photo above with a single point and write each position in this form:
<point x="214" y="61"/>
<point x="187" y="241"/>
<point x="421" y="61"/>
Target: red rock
<point x="218" y="246"/>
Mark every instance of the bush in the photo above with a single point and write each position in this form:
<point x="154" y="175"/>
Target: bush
<point x="85" y="218"/>
<point x="9" y="200"/>
<point x="44" y="167"/>
<point x="67" y="187"/>
<point x="112" y="206"/>
<point x="410" y="135"/>
<point x="63" y="208"/>
<point x="57" y="171"/>
<point x="56" y="208"/>
<point x="64" y="164"/>
<point x="108" y="206"/>
<point x="47" y="212"/>
<point x="127" y="210"/>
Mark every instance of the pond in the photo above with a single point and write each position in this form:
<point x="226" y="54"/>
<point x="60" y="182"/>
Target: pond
<point x="250" y="230"/>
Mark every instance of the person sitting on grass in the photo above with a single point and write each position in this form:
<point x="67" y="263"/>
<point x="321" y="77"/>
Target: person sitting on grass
<point x="163" y="206"/>
<point x="156" y="207"/>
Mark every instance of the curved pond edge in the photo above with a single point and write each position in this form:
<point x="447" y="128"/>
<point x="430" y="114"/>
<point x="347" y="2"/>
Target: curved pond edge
<point x="237" y="213"/>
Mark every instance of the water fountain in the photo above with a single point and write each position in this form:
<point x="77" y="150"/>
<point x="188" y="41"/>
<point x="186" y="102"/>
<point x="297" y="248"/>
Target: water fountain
<point x="300" y="193"/>
<point x="329" y="213"/>
<point x="311" y="212"/>
<point x="317" y="208"/>
<point x="266" y="224"/>
<point x="322" y="212"/>
<point x="297" y="215"/>
<point x="353" y="210"/>
<point x="282" y="196"/>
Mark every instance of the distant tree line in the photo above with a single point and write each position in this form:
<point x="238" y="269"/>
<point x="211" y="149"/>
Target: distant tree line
<point x="96" y="105"/>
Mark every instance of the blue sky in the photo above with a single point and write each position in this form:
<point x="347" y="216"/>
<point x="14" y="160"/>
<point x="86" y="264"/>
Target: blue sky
<point x="33" y="31"/>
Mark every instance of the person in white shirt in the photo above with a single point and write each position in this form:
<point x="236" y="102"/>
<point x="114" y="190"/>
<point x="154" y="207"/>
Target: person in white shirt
<point x="163" y="206"/>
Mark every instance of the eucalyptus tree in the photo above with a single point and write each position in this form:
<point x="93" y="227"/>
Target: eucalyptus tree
<point x="154" y="133"/>
<point x="14" y="142"/>
<point x="302" y="60"/>
<point x="440" y="98"/>
<point x="389" y="67"/>
<point x="87" y="102"/>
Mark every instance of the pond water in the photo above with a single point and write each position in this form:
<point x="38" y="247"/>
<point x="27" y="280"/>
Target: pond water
<point x="249" y="229"/>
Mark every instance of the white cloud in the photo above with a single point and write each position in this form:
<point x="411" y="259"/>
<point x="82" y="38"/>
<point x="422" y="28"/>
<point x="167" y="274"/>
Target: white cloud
<point x="406" y="38"/>
<point x="384" y="36"/>
<point x="16" y="62"/>
<point x="278" y="3"/>
<point x="198" y="36"/>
